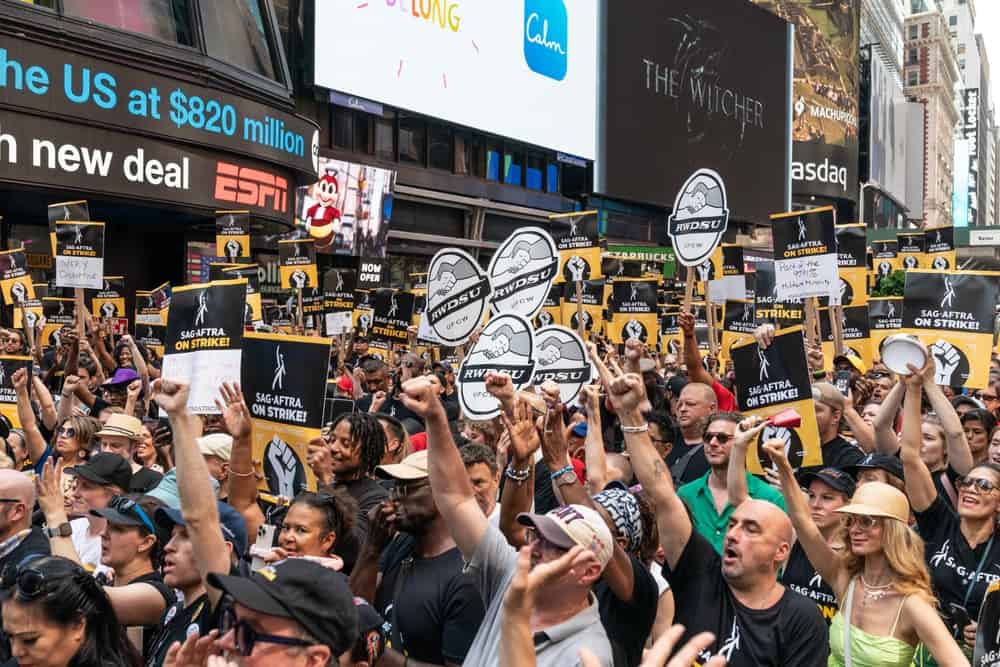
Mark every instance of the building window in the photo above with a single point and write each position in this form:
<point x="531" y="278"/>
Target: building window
<point x="534" y="171"/>
<point x="412" y="139"/>
<point x="914" y="31"/>
<point x="470" y="158"/>
<point x="961" y="48"/>
<point x="953" y="20"/>
<point x="961" y="64"/>
<point x="513" y="166"/>
<point x="911" y="58"/>
<point x="343" y="128"/>
<point x="169" y="20"/>
<point x="363" y="133"/>
<point x="552" y="177"/>
<point x="925" y="29"/>
<point x="237" y="33"/>
<point x="385" y="136"/>
<point x="912" y="78"/>
<point x="493" y="154"/>
<point x="442" y="150"/>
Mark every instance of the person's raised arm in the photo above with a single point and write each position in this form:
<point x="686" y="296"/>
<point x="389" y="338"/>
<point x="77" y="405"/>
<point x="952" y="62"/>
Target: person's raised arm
<point x="139" y="361"/>
<point x="33" y="437"/>
<point x="920" y="487"/>
<point x="449" y="480"/>
<point x="959" y="454"/>
<point x="242" y="480"/>
<point x="68" y="399"/>
<point x="194" y="486"/>
<point x="519" y="489"/>
<point x="627" y="393"/>
<point x="50" y="501"/>
<point x="100" y="345"/>
<point x="132" y="396"/>
<point x="886" y="440"/>
<point x="736" y="473"/>
<point x="863" y="433"/>
<point x="692" y="355"/>
<point x="47" y="406"/>
<point x="595" y="457"/>
<point x="821" y="556"/>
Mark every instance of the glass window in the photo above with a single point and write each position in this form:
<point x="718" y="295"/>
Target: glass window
<point x="236" y="33"/>
<point x="343" y="128"/>
<point x="953" y="20"/>
<point x="961" y="48"/>
<point x="287" y="23"/>
<point x="925" y="29"/>
<point x="442" y="150"/>
<point x="493" y="161"/>
<point x="914" y="32"/>
<point x="385" y="137"/>
<point x="912" y="57"/>
<point x="912" y="78"/>
<point x="363" y="133"/>
<point x="470" y="157"/>
<point x="412" y="139"/>
<point x="552" y="177"/>
<point x="534" y="171"/>
<point x="513" y="165"/>
<point x="169" y="20"/>
<point x="47" y="4"/>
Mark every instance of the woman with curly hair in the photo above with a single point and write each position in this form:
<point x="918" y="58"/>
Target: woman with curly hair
<point x="880" y="581"/>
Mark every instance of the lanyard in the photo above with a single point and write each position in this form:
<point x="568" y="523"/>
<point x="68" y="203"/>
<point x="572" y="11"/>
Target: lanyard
<point x="979" y="568"/>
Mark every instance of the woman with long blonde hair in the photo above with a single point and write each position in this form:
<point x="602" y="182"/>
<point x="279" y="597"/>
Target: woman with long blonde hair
<point x="881" y="582"/>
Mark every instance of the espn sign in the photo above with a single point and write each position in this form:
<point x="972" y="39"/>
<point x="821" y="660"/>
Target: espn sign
<point x="251" y="187"/>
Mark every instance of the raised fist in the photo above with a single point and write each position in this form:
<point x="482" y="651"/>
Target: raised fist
<point x="946" y="359"/>
<point x="576" y="266"/>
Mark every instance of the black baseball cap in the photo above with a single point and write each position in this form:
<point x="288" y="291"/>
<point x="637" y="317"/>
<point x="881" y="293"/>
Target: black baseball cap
<point x="316" y="597"/>
<point x="836" y="479"/>
<point x="123" y="511"/>
<point x="890" y="464"/>
<point x="676" y="384"/>
<point x="105" y="468"/>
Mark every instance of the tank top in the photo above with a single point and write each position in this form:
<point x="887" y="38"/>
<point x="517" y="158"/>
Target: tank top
<point x="867" y="650"/>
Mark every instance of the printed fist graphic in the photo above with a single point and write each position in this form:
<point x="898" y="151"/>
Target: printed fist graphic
<point x="946" y="359"/>
<point x="576" y="267"/>
<point x="940" y="264"/>
<point x="634" y="329"/>
<point x="284" y="464"/>
<point x="300" y="279"/>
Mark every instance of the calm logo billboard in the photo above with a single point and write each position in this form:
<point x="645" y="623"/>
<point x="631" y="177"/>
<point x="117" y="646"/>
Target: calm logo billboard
<point x="546" y="37"/>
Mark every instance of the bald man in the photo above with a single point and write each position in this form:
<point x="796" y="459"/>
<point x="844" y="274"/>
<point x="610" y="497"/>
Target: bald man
<point x="736" y="594"/>
<point x="687" y="457"/>
<point x="17" y="538"/>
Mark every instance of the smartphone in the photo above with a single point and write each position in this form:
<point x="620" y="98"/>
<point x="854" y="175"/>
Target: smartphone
<point x="842" y="380"/>
<point x="959" y="619"/>
<point x="264" y="543"/>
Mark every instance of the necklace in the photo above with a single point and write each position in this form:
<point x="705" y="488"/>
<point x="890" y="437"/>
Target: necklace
<point x="874" y="593"/>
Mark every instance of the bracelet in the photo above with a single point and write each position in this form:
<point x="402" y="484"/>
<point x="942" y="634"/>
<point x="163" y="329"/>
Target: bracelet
<point x="519" y="476"/>
<point x="562" y="471"/>
<point x="819" y="375"/>
<point x="635" y="429"/>
<point x="242" y="474"/>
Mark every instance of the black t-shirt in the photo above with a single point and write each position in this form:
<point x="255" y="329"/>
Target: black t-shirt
<point x="953" y="563"/>
<point x="838" y="453"/>
<point x="150" y="632"/>
<point x="438" y="606"/>
<point x="177" y="621"/>
<point x="628" y="624"/>
<point x="367" y="493"/>
<point x="942" y="491"/>
<point x="802" y="577"/>
<point x="392" y="406"/>
<point x="697" y="465"/>
<point x="144" y="479"/>
<point x="791" y="633"/>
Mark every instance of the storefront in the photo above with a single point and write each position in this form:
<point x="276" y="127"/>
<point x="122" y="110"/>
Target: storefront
<point x="154" y="119"/>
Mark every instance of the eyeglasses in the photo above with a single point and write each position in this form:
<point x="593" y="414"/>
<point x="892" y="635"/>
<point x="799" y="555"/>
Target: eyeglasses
<point x="989" y="397"/>
<point x="405" y="490"/>
<point x="245" y="637"/>
<point x="862" y="521"/>
<point x="982" y="485"/>
<point x="67" y="431"/>
<point x="723" y="438"/>
<point x="124" y="505"/>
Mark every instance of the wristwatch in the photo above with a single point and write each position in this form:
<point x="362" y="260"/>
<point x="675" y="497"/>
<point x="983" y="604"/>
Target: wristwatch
<point x="62" y="530"/>
<point x="568" y="477"/>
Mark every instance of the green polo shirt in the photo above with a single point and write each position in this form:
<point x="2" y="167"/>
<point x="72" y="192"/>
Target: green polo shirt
<point x="712" y="526"/>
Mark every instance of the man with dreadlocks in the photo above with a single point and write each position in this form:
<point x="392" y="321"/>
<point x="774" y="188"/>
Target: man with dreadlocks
<point x="356" y="446"/>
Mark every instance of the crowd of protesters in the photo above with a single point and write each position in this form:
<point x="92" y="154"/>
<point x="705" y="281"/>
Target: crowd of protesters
<point x="610" y="532"/>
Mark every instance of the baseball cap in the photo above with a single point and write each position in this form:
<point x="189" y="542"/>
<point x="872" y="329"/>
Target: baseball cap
<point x="580" y="429"/>
<point x="412" y="467"/>
<point x="836" y="479"/>
<point x="570" y="525"/>
<point x="853" y="360"/>
<point x="166" y="489"/>
<point x="123" y="511"/>
<point x="122" y="376"/>
<point x="878" y="499"/>
<point x="219" y="445"/>
<point x="315" y="597"/>
<point x="105" y="468"/>
<point x="890" y="464"/>
<point x="827" y="394"/>
<point x="234" y="528"/>
<point x="122" y="425"/>
<point x="967" y="400"/>
<point x="676" y="384"/>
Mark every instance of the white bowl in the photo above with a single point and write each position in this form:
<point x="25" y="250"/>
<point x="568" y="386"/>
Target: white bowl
<point x="902" y="349"/>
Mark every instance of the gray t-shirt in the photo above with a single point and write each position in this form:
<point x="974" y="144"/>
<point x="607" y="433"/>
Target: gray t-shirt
<point x="492" y="567"/>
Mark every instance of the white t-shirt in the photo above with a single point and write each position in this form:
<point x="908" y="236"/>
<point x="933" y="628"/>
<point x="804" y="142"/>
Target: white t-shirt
<point x="88" y="547"/>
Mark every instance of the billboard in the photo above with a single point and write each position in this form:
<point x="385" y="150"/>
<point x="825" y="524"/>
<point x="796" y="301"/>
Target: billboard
<point x="524" y="69"/>
<point x="970" y="133"/>
<point x="825" y="106"/>
<point x="888" y="157"/>
<point x="347" y="210"/>
<point x="682" y="91"/>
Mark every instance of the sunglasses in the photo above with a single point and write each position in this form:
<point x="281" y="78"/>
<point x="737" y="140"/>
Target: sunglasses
<point x="982" y="485"/>
<point x="402" y="491"/>
<point x="127" y="505"/>
<point x="68" y="431"/>
<point x="723" y="438"/>
<point x="863" y="522"/>
<point x="245" y="637"/>
<point x="988" y="397"/>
